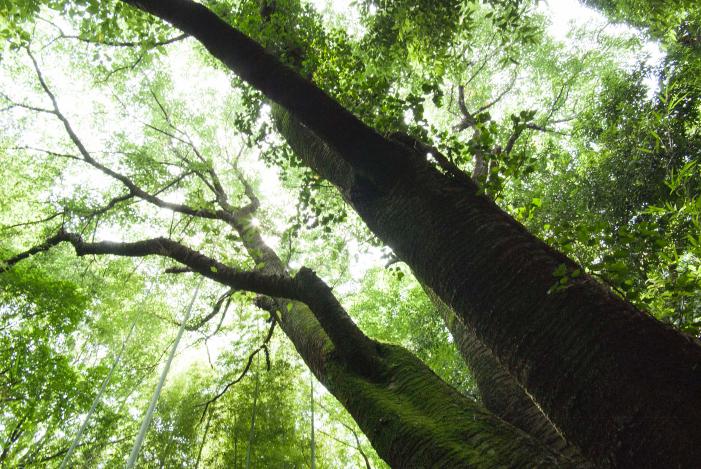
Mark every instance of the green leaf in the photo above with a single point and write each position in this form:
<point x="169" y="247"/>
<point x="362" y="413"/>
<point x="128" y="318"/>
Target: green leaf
<point x="560" y="271"/>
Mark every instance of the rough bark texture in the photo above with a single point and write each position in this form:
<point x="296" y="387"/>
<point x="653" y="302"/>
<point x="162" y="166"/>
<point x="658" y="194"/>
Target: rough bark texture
<point x="621" y="385"/>
<point x="586" y="357"/>
<point x="499" y="392"/>
<point x="411" y="417"/>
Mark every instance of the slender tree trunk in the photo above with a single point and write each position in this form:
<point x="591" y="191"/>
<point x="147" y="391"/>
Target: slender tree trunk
<point x="252" y="432"/>
<point x="236" y="445"/>
<point x="98" y="397"/>
<point x="311" y="406"/>
<point x="161" y="381"/>
<point x="204" y="437"/>
<point x="621" y="385"/>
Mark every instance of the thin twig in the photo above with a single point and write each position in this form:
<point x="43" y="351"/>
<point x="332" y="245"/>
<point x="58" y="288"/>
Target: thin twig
<point x="262" y="347"/>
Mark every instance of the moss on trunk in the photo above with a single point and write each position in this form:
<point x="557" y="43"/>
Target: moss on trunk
<point x="584" y="355"/>
<point x="411" y="417"/>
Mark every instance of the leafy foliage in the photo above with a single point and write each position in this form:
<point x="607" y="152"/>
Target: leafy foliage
<point x="575" y="143"/>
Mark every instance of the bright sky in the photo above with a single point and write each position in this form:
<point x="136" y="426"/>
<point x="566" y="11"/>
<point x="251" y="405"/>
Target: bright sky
<point x="564" y="14"/>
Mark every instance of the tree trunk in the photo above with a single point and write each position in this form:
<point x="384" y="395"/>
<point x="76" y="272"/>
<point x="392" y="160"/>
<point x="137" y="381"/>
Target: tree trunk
<point x="587" y="357"/>
<point x="148" y="416"/>
<point x="252" y="432"/>
<point x="621" y="385"/>
<point x="312" y="443"/>
<point x="204" y="438"/>
<point x="411" y="417"/>
<point x="236" y="445"/>
<point x="98" y="398"/>
<point x="499" y="392"/>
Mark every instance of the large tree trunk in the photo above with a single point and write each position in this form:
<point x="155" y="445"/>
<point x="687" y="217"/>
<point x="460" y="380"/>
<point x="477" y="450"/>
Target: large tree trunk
<point x="621" y="385"/>
<point x="411" y="417"/>
<point x="584" y="355"/>
<point x="499" y="392"/>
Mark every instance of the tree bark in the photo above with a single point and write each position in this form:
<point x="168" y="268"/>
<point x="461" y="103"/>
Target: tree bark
<point x="586" y="357"/>
<point x="411" y="417"/>
<point x="499" y="392"/>
<point x="621" y="385"/>
<point x="251" y="433"/>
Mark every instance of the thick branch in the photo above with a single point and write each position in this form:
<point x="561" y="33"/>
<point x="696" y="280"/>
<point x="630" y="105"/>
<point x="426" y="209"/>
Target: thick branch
<point x="252" y="207"/>
<point x="469" y="120"/>
<point x="274" y="285"/>
<point x="461" y="103"/>
<point x="354" y="347"/>
<point x="350" y="342"/>
<point x="43" y="247"/>
<point x="518" y="130"/>
<point x="423" y="149"/>
<point x="356" y="142"/>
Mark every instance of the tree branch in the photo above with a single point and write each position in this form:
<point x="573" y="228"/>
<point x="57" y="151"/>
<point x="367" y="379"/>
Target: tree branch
<point x="499" y="97"/>
<point x="360" y="145"/>
<point x="43" y="247"/>
<point x="32" y="222"/>
<point x="127" y="182"/>
<point x="252" y="207"/>
<point x="467" y="117"/>
<point x="424" y="149"/>
<point x="249" y="362"/>
<point x="274" y="285"/>
<point x="14" y="104"/>
<point x="349" y="341"/>
<point x="226" y="297"/>
<point x="151" y="45"/>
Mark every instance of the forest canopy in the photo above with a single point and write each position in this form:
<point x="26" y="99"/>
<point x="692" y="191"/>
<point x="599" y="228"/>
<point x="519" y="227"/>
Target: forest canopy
<point x="407" y="233"/>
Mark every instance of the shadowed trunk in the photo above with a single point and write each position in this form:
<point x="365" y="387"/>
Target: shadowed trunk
<point x="411" y="417"/>
<point x="499" y="392"/>
<point x="621" y="385"/>
<point x="584" y="355"/>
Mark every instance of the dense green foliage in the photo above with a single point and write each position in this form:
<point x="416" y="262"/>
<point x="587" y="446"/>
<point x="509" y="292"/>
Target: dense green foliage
<point x="592" y="148"/>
